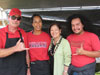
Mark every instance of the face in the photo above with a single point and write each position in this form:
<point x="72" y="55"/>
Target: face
<point x="55" y="31"/>
<point x="37" y="23"/>
<point x="77" y="26"/>
<point x="14" y="21"/>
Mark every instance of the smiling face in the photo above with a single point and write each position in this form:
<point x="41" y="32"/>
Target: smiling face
<point x="37" y="23"/>
<point x="14" y="22"/>
<point x="55" y="31"/>
<point x="77" y="26"/>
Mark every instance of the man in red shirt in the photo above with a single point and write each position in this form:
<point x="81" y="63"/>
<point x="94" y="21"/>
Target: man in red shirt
<point x="13" y="46"/>
<point x="38" y="42"/>
<point x="85" y="46"/>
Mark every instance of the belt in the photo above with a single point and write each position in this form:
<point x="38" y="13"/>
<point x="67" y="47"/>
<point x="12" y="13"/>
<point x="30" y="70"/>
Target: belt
<point x="32" y="62"/>
<point x="38" y="61"/>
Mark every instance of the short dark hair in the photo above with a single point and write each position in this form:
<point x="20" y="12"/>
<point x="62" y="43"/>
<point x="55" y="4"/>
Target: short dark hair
<point x="84" y="20"/>
<point x="34" y="15"/>
<point x="55" y="23"/>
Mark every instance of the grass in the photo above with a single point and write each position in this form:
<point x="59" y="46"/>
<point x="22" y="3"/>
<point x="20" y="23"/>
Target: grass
<point x="97" y="73"/>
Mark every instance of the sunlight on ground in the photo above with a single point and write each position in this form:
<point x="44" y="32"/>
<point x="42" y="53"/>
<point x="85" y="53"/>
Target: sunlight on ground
<point x="97" y="73"/>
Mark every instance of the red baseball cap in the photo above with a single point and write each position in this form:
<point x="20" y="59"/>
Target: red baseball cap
<point x="15" y="11"/>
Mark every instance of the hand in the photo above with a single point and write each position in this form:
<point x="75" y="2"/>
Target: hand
<point x="79" y="51"/>
<point x="65" y="73"/>
<point x="20" y="46"/>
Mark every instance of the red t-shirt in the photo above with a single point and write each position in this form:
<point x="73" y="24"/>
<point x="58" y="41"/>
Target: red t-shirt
<point x="38" y="45"/>
<point x="11" y="35"/>
<point x="90" y="42"/>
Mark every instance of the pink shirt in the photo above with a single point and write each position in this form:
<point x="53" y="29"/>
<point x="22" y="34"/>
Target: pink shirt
<point x="90" y="42"/>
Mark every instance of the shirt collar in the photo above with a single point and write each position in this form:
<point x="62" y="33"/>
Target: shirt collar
<point x="57" y="41"/>
<point x="6" y="29"/>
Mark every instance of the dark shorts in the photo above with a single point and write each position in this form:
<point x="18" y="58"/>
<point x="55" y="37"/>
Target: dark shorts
<point x="40" y="68"/>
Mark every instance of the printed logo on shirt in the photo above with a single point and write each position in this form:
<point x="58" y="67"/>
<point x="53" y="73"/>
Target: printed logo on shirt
<point x="76" y="43"/>
<point x="37" y="44"/>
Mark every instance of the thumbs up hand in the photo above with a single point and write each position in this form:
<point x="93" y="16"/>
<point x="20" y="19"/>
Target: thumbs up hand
<point x="20" y="46"/>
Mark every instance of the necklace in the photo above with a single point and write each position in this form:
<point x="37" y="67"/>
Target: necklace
<point x="56" y="46"/>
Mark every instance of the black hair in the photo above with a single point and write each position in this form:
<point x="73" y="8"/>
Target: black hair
<point x="84" y="20"/>
<point x="34" y="15"/>
<point x="57" y="24"/>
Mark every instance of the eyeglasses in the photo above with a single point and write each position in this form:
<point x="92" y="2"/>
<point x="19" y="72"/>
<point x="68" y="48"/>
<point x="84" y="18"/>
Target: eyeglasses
<point x="14" y="17"/>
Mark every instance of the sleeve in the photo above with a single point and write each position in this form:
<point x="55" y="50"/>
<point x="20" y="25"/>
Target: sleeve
<point x="67" y="53"/>
<point x="95" y="42"/>
<point x="26" y="42"/>
<point x="25" y="38"/>
<point x="1" y="44"/>
<point x="68" y="38"/>
<point x="49" y="40"/>
<point x="50" y="44"/>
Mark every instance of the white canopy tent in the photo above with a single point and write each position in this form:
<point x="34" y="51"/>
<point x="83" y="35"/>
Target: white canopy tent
<point x="3" y="18"/>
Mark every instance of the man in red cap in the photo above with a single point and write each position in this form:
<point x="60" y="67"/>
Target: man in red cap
<point x="13" y="46"/>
